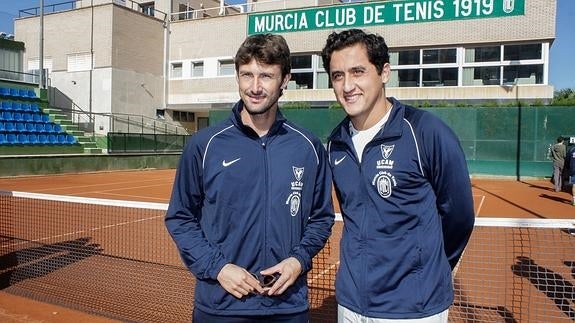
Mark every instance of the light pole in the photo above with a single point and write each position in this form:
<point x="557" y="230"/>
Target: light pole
<point x="508" y="88"/>
<point x="41" y="53"/>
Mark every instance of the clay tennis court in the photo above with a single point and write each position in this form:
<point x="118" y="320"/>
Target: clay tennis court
<point x="493" y="198"/>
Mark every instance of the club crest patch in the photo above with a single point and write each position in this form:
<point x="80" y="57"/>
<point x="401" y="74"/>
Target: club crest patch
<point x="294" y="199"/>
<point x="384" y="182"/>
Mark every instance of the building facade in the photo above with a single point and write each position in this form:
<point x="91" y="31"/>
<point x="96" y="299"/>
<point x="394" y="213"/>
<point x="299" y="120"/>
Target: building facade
<point x="173" y="59"/>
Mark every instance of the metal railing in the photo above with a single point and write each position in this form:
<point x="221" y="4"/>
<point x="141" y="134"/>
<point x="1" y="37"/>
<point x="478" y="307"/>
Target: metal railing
<point x="119" y="122"/>
<point x="30" y="78"/>
<point x="249" y="7"/>
<point x="71" y="5"/>
<point x="51" y="8"/>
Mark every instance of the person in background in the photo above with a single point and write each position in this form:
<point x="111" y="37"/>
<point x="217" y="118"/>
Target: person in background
<point x="558" y="152"/>
<point x="570" y="162"/>
<point x="251" y="203"/>
<point x="402" y="182"/>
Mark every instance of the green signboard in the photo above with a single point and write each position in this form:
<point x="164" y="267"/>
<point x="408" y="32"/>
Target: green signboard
<point x="381" y="13"/>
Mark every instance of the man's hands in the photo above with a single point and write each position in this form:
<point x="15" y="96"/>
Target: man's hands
<point x="239" y="282"/>
<point x="289" y="270"/>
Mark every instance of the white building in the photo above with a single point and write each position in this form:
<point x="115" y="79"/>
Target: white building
<point x="175" y="57"/>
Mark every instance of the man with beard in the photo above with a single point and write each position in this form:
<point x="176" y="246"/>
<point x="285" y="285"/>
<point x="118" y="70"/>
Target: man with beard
<point x="251" y="203"/>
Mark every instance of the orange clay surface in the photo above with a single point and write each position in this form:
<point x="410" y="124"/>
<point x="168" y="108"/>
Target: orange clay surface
<point x="492" y="198"/>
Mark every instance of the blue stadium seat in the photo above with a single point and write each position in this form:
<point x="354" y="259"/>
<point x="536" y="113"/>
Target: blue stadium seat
<point x="32" y="139"/>
<point x="42" y="139"/>
<point x="7" y="116"/>
<point x="1" y="126"/>
<point x="16" y="106"/>
<point x="37" y="117"/>
<point x="34" y="107"/>
<point x="62" y="139"/>
<point x="9" y="126"/>
<point x="32" y="94"/>
<point x="70" y="140"/>
<point x="17" y="116"/>
<point x="45" y="118"/>
<point x="52" y="139"/>
<point x="4" y="91"/>
<point x="48" y="127"/>
<point x="25" y="107"/>
<point x="27" y="117"/>
<point x="22" y="139"/>
<point x="30" y="127"/>
<point x="11" y="138"/>
<point x="23" y="93"/>
<point x="14" y="92"/>
<point x="40" y="127"/>
<point x="7" y="105"/>
<point x="20" y="127"/>
<point x="3" y="139"/>
<point x="57" y="128"/>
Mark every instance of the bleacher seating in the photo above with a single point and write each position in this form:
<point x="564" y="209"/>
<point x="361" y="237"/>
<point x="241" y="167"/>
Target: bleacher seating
<point x="22" y="121"/>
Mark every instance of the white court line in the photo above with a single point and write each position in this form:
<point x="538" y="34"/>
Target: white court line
<point x="81" y="231"/>
<point x="480" y="204"/>
<point x="87" y="200"/>
<point x="123" y="188"/>
<point x="96" y="185"/>
<point x="159" y="199"/>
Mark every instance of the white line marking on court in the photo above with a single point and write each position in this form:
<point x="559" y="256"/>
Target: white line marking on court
<point x="480" y="204"/>
<point x="124" y="196"/>
<point x="81" y="231"/>
<point x="96" y="185"/>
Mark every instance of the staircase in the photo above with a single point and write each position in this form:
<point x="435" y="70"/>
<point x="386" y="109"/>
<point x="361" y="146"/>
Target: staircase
<point x="88" y="142"/>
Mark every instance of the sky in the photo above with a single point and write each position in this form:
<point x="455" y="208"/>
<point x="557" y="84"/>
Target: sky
<point x="561" y="67"/>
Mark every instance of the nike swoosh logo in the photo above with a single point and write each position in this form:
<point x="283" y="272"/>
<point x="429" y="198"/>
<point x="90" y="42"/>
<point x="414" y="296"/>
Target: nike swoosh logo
<point x="338" y="161"/>
<point x="226" y="164"/>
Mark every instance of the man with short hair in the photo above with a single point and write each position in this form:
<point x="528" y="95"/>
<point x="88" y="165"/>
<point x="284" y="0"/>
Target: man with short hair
<point x="251" y="203"/>
<point x="402" y="183"/>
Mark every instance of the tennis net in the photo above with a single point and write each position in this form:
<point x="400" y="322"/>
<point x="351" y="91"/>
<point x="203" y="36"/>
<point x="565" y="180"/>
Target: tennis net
<point x="115" y="259"/>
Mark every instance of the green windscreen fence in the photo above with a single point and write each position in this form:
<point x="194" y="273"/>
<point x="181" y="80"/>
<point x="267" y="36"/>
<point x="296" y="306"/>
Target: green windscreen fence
<point x="502" y="141"/>
<point x="145" y="142"/>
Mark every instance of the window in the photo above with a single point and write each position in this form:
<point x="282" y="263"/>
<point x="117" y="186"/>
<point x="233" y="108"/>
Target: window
<point x="521" y="52"/>
<point x="226" y="67"/>
<point x="197" y="69"/>
<point x="183" y="116"/>
<point x="440" y="77"/>
<point x="303" y="61"/>
<point x="503" y="64"/>
<point x="79" y="62"/>
<point x="486" y="75"/>
<point x="408" y="57"/>
<point x="523" y="74"/>
<point x="483" y="54"/>
<point x="147" y="8"/>
<point x="408" y="78"/>
<point x="302" y="72"/>
<point x="176" y="70"/>
<point x="439" y="56"/>
<point x="184" y="11"/>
